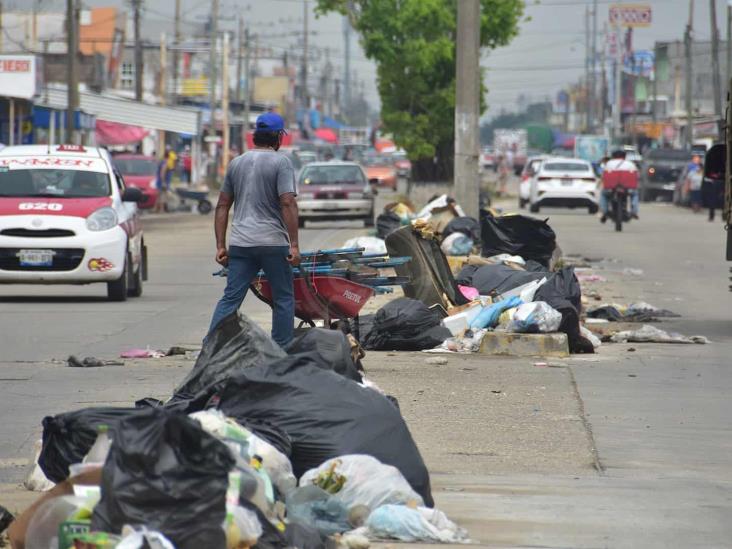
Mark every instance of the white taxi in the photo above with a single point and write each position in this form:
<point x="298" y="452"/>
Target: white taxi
<point x="67" y="218"/>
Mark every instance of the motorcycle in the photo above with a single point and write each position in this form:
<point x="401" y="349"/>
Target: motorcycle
<point x="619" y="201"/>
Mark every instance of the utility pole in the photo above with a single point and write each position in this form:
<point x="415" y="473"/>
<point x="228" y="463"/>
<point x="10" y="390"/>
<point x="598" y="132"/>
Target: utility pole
<point x="176" y="46"/>
<point x="239" y="39"/>
<point x="2" y="33"/>
<point x="617" y="116"/>
<point x="247" y="84"/>
<point x="305" y="96"/>
<point x="593" y="70"/>
<point x="716" y="77"/>
<point x="654" y="86"/>
<point x="467" y="106"/>
<point x="689" y="134"/>
<point x="139" y="63"/>
<point x="212" y="62"/>
<point x="162" y="90"/>
<point x="587" y="69"/>
<point x="346" y="64"/>
<point x="225" y="102"/>
<point x="72" y="74"/>
<point x="729" y="42"/>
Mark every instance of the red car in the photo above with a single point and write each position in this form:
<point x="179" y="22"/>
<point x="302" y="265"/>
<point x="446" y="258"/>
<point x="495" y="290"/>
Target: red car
<point x="140" y="171"/>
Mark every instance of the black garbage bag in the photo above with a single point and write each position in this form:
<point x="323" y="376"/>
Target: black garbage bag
<point x="405" y="325"/>
<point x="235" y="344"/>
<point x="386" y="223"/>
<point x="562" y="291"/>
<point x="68" y="437"/>
<point x="325" y="415"/>
<point x="520" y="235"/>
<point x="332" y="349"/>
<point x="468" y="226"/>
<point x="6" y="517"/>
<point x="166" y="472"/>
<point x="496" y="279"/>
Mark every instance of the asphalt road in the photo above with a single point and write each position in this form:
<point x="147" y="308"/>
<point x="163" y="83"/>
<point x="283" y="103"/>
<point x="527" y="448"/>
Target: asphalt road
<point x="619" y="449"/>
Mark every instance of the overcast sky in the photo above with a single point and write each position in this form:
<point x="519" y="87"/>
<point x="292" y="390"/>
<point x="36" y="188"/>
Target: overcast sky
<point x="547" y="55"/>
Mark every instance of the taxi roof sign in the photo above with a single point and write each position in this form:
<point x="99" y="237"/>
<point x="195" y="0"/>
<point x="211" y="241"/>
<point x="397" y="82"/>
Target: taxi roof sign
<point x="71" y="148"/>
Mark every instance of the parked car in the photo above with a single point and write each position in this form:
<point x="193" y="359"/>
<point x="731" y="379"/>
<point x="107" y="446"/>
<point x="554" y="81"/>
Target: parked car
<point x="533" y="163"/>
<point x="661" y="171"/>
<point x="335" y="190"/>
<point x="140" y="171"/>
<point x="488" y="159"/>
<point x="566" y="183"/>
<point x="66" y="217"/>
<point x="402" y="164"/>
<point x="380" y="171"/>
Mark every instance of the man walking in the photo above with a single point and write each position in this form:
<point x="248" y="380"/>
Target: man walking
<point x="260" y="184"/>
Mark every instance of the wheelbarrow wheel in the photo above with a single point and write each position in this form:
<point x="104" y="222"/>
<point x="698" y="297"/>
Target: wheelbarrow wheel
<point x="205" y="207"/>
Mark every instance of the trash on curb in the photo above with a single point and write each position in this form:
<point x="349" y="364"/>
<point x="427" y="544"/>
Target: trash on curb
<point x="413" y="524"/>
<point x="91" y="362"/>
<point x="142" y="353"/>
<point x="535" y="317"/>
<point x="651" y="334"/>
<point x="405" y="324"/>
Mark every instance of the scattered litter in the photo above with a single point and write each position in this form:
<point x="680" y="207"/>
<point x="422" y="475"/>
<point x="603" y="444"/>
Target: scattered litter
<point x="182" y="350"/>
<point x="591" y="278"/>
<point x="596" y="321"/>
<point x="489" y="316"/>
<point x="535" y="317"/>
<point x="370" y="244"/>
<point x="540" y="364"/>
<point x="142" y="353"/>
<point x="632" y="272"/>
<point x="469" y="342"/>
<point x="636" y="312"/>
<point x="631" y="349"/>
<point x="469" y="292"/>
<point x="651" y="334"/>
<point x="587" y="334"/>
<point x="409" y="524"/>
<point x="438" y="361"/>
<point x="91" y="362"/>
<point x="141" y="538"/>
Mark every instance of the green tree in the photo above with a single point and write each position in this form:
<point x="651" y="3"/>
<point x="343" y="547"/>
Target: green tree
<point x="413" y="45"/>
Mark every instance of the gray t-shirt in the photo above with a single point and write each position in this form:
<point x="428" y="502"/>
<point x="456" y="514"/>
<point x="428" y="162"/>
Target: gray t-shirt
<point x="256" y="180"/>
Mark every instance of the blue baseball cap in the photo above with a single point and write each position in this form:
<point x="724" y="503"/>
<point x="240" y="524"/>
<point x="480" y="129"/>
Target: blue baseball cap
<point x="270" y="122"/>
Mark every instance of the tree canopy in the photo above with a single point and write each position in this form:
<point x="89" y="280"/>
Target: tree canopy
<point x="413" y="45"/>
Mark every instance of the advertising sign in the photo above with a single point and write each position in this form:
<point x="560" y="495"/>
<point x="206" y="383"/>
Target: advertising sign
<point x="591" y="147"/>
<point x="630" y="15"/>
<point x="18" y="76"/>
<point x="639" y="63"/>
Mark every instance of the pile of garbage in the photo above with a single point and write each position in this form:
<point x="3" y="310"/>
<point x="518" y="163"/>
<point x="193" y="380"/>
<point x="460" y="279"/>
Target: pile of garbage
<point x="257" y="447"/>
<point x="467" y="277"/>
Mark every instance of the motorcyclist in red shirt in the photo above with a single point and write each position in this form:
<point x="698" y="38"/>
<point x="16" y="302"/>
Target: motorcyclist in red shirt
<point x="617" y="171"/>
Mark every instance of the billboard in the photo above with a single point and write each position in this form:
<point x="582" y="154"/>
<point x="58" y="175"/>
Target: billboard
<point x="19" y="76"/>
<point x="591" y="147"/>
<point x="630" y="15"/>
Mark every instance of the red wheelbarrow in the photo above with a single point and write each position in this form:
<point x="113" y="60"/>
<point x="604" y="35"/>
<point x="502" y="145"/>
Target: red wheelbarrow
<point x="321" y="297"/>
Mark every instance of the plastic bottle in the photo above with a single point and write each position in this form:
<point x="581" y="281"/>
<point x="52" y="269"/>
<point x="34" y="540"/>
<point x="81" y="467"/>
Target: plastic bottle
<point x="100" y="449"/>
<point x="256" y="463"/>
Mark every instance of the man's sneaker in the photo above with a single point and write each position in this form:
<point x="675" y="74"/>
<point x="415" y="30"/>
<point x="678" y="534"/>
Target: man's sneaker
<point x="603" y="218"/>
<point x="634" y="216"/>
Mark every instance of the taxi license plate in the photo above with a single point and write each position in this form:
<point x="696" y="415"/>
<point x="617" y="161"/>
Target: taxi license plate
<point x="36" y="258"/>
<point x="567" y="182"/>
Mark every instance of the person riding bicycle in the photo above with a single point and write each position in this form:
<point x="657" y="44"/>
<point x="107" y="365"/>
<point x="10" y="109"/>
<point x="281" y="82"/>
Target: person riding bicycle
<point x="619" y="171"/>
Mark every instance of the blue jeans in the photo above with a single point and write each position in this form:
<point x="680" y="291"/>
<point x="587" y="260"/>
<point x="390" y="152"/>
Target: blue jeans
<point x="634" y="201"/>
<point x="244" y="264"/>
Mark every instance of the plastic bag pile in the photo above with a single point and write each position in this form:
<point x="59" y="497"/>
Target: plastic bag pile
<point x="256" y="447"/>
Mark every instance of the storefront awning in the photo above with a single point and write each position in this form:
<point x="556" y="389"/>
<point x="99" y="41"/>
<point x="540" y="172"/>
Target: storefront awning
<point x="126" y="111"/>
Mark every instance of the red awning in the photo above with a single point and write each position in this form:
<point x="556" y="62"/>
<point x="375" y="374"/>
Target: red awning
<point x="327" y="135"/>
<point x="112" y="133"/>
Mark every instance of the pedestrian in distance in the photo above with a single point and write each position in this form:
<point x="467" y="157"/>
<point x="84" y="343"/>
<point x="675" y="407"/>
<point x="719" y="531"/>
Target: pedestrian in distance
<point x="260" y="185"/>
<point x="695" y="177"/>
<point x="160" y="178"/>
